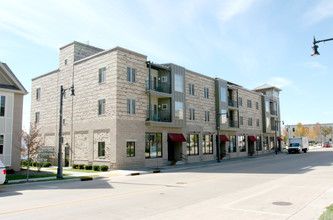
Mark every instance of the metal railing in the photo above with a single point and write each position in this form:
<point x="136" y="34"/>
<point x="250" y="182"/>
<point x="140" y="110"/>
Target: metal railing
<point x="232" y="103"/>
<point x="273" y="112"/>
<point x="233" y="124"/>
<point x="161" y="116"/>
<point x="159" y="86"/>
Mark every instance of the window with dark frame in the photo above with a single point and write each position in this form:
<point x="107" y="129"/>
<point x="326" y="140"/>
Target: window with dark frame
<point x="249" y="103"/>
<point x="240" y="101"/>
<point x="38" y="94"/>
<point x="206" y="115"/>
<point x="241" y="120"/>
<point x="37" y="117"/>
<point x="257" y="122"/>
<point x="2" y="105"/>
<point x="130" y="149"/>
<point x="257" y="105"/>
<point x="101" y="149"/>
<point x="131" y="106"/>
<point x="249" y="122"/>
<point x="192" y="144"/>
<point x="153" y="145"/>
<point x="101" y="75"/>
<point x="191" y="88"/>
<point x="131" y="74"/>
<point x="1" y="143"/>
<point x="207" y="144"/>
<point x="192" y="114"/>
<point x="101" y="107"/>
<point x="206" y="93"/>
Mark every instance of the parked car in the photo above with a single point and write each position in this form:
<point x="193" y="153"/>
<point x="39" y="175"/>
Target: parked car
<point x="2" y="173"/>
<point x="327" y="144"/>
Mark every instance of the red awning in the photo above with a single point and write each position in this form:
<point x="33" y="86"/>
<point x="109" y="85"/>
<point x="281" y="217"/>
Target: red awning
<point x="177" y="137"/>
<point x="252" y="138"/>
<point x="223" y="138"/>
<point x="279" y="138"/>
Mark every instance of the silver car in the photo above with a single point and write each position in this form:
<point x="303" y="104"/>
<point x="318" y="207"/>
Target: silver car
<point x="2" y="173"/>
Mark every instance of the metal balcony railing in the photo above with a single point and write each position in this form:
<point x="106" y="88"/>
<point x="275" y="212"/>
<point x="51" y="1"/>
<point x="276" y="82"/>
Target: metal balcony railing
<point x="273" y="112"/>
<point x="233" y="124"/>
<point x="161" y="116"/>
<point x="159" y="86"/>
<point x="232" y="103"/>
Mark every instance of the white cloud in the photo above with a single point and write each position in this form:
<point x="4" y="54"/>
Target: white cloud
<point x="232" y="8"/>
<point x="279" y="82"/>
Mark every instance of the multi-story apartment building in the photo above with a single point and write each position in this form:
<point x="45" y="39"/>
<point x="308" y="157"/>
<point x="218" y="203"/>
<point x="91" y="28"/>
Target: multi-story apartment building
<point x="11" y="109"/>
<point x="128" y="111"/>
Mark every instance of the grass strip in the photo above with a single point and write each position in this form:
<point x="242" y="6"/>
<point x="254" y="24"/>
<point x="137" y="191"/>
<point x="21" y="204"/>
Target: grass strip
<point x="328" y="214"/>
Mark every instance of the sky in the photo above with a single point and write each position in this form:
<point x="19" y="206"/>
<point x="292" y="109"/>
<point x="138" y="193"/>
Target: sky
<point x="247" y="42"/>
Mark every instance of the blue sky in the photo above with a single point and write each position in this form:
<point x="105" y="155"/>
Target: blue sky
<point x="247" y="42"/>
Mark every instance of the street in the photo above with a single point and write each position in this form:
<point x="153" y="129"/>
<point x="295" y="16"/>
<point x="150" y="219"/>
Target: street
<point x="286" y="186"/>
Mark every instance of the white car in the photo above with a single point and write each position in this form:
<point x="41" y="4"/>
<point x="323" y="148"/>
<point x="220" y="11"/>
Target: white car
<point x="2" y="173"/>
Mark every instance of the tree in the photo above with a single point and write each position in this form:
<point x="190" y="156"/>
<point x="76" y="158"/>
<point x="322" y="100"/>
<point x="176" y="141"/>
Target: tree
<point x="300" y="131"/>
<point x="285" y="136"/>
<point x="326" y="130"/>
<point x="32" y="140"/>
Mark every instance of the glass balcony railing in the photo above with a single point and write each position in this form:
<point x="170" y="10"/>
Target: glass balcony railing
<point x="232" y="103"/>
<point x="233" y="124"/>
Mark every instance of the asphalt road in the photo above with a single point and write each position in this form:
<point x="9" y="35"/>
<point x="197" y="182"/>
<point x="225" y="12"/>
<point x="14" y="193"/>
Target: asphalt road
<point x="297" y="186"/>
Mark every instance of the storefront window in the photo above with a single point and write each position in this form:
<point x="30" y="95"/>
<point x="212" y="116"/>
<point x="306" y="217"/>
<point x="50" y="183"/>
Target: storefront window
<point x="241" y="143"/>
<point x="207" y="144"/>
<point x="192" y="144"/>
<point x="232" y="144"/>
<point x="153" y="145"/>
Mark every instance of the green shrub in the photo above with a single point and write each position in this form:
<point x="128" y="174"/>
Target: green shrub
<point x="81" y="166"/>
<point x="88" y="167"/>
<point x="74" y="166"/>
<point x="47" y="164"/>
<point x="96" y="167"/>
<point x="104" y="168"/>
<point x="24" y="163"/>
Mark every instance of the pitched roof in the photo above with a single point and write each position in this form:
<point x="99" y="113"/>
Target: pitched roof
<point x="17" y="86"/>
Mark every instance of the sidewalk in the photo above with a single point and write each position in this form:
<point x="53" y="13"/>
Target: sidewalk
<point x="142" y="170"/>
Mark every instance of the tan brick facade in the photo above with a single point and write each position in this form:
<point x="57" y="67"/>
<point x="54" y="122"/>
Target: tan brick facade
<point x="124" y="132"/>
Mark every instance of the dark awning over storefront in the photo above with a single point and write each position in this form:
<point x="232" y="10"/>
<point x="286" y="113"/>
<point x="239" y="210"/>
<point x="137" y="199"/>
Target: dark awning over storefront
<point x="252" y="138"/>
<point x="177" y="137"/>
<point x="279" y="138"/>
<point x="223" y="138"/>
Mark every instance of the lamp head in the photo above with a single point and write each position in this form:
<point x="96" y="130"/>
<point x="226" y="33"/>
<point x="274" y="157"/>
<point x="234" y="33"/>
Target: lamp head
<point x="72" y="91"/>
<point x="315" y="50"/>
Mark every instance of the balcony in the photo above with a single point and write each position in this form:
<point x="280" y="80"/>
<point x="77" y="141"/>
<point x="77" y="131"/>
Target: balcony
<point x="273" y="112"/>
<point x="160" y="117"/>
<point x="233" y="124"/>
<point x="159" y="86"/>
<point x="232" y="103"/>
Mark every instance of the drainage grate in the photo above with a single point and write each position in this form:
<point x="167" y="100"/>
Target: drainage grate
<point x="282" y="203"/>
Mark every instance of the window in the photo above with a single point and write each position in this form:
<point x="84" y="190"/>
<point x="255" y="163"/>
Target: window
<point x="64" y="121"/>
<point x="240" y="101"/>
<point x="267" y="106"/>
<point x="241" y="120"/>
<point x="206" y="115"/>
<point x="257" y="105"/>
<point x="2" y="105"/>
<point x="191" y="88"/>
<point x="131" y="106"/>
<point x="207" y="144"/>
<point x="38" y="94"/>
<point x="179" y="110"/>
<point x="101" y="149"/>
<point x="131" y="74"/>
<point x="179" y="83"/>
<point x="224" y="116"/>
<point x="206" y="93"/>
<point x="130" y="149"/>
<point x="249" y="103"/>
<point x="223" y="95"/>
<point x="249" y="122"/>
<point x="232" y="144"/>
<point x="271" y="142"/>
<point x="265" y="143"/>
<point x="164" y="106"/>
<point x="101" y="107"/>
<point x="1" y="144"/>
<point x="241" y="143"/>
<point x="101" y="75"/>
<point x="37" y="115"/>
<point x="257" y="122"/>
<point x="153" y="145"/>
<point x="268" y="122"/>
<point x="293" y="129"/>
<point x="258" y="143"/>
<point x="192" y="144"/>
<point x="192" y="114"/>
<point x="66" y="61"/>
<point x="164" y="79"/>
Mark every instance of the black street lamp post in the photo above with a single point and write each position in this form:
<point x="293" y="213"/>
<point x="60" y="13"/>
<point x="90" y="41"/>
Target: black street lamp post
<point x="62" y="92"/>
<point x="277" y="122"/>
<point x="315" y="46"/>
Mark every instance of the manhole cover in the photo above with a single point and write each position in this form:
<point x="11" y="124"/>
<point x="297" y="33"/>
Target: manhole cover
<point x="282" y="203"/>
